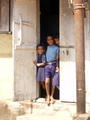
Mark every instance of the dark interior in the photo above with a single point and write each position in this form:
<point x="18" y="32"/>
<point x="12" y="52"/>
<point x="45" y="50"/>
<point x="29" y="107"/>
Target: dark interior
<point x="49" y="19"/>
<point x="49" y="25"/>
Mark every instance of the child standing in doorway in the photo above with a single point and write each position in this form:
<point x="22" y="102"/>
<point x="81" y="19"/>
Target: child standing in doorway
<point x="40" y="63"/>
<point x="56" y="76"/>
<point x="52" y="56"/>
<point x="56" y="39"/>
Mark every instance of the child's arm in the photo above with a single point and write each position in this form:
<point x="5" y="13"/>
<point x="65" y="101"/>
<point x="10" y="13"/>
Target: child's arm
<point x="57" y="61"/>
<point x="35" y="62"/>
<point x="40" y="64"/>
<point x="43" y="61"/>
<point x="57" y="58"/>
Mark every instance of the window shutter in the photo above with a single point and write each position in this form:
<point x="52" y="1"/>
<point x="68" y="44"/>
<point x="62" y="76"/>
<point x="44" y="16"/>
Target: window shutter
<point x="4" y="16"/>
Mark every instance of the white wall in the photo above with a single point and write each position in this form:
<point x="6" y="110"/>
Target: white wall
<point x="67" y="54"/>
<point x="87" y="52"/>
<point x="6" y="67"/>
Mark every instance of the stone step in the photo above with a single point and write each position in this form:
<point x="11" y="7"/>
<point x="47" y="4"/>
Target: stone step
<point x="63" y="111"/>
<point x="36" y="110"/>
<point x="47" y="115"/>
<point x="57" y="117"/>
<point x="10" y="110"/>
<point x="38" y="104"/>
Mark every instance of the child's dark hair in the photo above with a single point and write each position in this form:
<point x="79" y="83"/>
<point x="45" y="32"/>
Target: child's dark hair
<point x="39" y="45"/>
<point x="56" y="37"/>
<point x="50" y="36"/>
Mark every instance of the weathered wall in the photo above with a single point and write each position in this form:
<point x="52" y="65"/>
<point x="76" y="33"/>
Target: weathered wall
<point x="6" y="67"/>
<point x="67" y="54"/>
<point x="5" y="45"/>
<point x="25" y="40"/>
<point x="87" y="52"/>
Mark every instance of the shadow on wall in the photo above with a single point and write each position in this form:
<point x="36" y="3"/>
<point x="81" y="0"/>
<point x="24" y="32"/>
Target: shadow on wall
<point x="6" y="67"/>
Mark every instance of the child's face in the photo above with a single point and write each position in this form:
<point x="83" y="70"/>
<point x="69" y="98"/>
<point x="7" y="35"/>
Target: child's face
<point x="50" y="40"/>
<point x="40" y="50"/>
<point x="56" y="41"/>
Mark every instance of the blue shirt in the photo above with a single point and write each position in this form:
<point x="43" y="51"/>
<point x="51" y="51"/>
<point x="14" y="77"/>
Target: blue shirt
<point x="52" y="52"/>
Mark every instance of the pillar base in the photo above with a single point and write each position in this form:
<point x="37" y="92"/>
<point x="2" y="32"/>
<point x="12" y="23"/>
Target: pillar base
<point x="82" y="117"/>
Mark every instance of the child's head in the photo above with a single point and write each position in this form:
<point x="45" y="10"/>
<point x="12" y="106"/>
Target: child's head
<point x="50" y="40"/>
<point x="56" y="39"/>
<point x="40" y="49"/>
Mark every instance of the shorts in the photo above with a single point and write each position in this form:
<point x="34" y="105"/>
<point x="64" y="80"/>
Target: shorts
<point x="50" y="70"/>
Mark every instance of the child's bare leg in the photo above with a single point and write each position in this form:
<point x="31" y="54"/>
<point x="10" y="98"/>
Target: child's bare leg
<point x="47" y="82"/>
<point x="52" y="94"/>
<point x="43" y="85"/>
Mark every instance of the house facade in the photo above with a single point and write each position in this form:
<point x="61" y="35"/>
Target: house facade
<point x="19" y="50"/>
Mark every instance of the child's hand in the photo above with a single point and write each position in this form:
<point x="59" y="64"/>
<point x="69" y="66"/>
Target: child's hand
<point x="35" y="62"/>
<point x="57" y="69"/>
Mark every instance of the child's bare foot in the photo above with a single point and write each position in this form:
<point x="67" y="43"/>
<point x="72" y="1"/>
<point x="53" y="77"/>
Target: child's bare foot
<point x="52" y="100"/>
<point x="48" y="101"/>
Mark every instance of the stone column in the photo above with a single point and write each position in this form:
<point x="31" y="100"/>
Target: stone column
<point x="80" y="55"/>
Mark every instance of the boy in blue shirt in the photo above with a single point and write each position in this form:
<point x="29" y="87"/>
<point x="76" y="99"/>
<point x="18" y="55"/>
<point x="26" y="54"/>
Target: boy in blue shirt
<point x="52" y="56"/>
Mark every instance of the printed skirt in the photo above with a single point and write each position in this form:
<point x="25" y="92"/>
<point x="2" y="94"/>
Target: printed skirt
<point x="56" y="79"/>
<point x="41" y="74"/>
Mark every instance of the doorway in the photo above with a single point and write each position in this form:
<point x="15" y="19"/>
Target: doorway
<point x="49" y="25"/>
